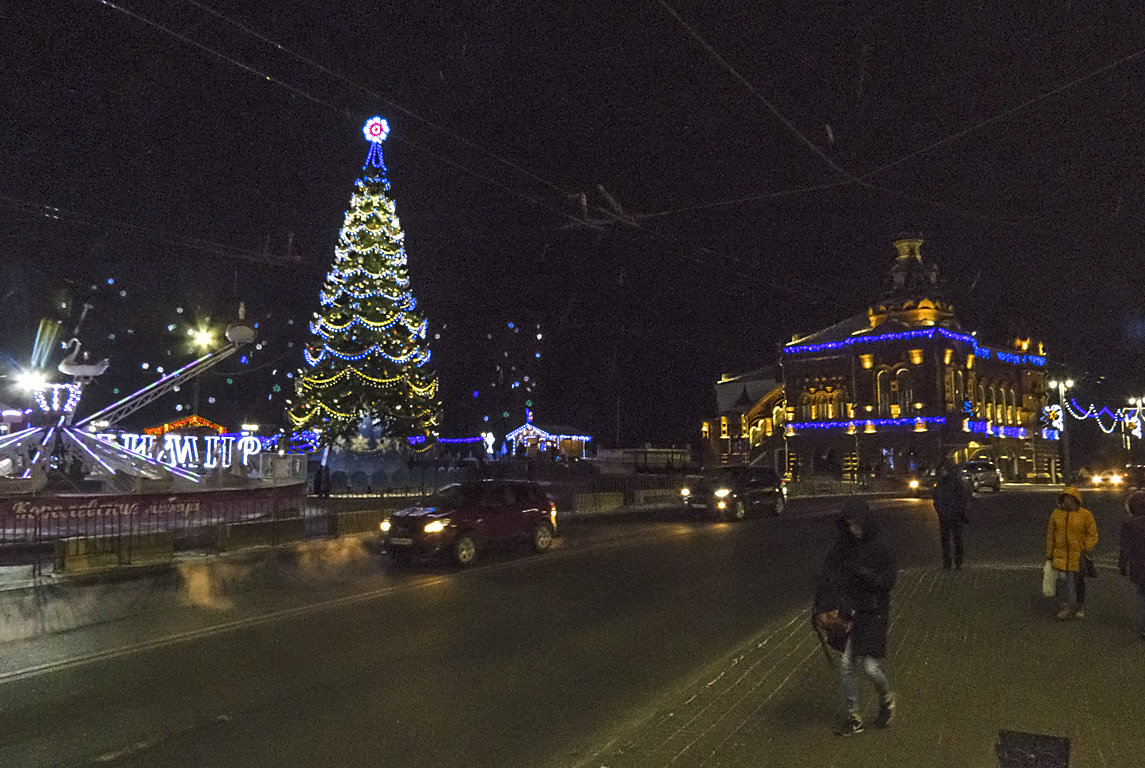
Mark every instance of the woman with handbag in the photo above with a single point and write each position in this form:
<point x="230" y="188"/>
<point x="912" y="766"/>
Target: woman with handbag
<point x="852" y="609"/>
<point x="1071" y="535"/>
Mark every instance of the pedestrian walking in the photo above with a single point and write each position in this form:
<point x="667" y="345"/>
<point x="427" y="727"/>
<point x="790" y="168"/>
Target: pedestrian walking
<point x="857" y="577"/>
<point x="951" y="499"/>
<point x="1071" y="534"/>
<point x="1131" y="560"/>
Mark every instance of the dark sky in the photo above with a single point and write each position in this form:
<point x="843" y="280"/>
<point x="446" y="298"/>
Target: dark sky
<point x="159" y="128"/>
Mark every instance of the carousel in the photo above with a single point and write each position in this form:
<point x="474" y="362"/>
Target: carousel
<point x="60" y="454"/>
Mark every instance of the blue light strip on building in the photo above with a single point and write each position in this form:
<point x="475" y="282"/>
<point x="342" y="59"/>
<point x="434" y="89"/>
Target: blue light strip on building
<point x="924" y="333"/>
<point x="861" y="423"/>
<point x="986" y="428"/>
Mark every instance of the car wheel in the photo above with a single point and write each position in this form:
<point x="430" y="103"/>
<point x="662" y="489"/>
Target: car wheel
<point x="738" y="511"/>
<point x="464" y="550"/>
<point x="542" y="537"/>
<point x="780" y="505"/>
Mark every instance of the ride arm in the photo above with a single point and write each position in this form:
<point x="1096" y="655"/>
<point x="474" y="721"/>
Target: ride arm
<point x="144" y="397"/>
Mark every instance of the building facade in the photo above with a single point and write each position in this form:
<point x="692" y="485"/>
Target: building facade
<point x="893" y="390"/>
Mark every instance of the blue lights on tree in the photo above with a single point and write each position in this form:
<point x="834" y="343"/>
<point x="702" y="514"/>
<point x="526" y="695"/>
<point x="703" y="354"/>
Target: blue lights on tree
<point x="368" y="353"/>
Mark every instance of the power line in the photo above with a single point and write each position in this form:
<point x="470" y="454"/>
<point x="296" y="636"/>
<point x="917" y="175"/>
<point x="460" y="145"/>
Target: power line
<point x="851" y="178"/>
<point x="528" y="198"/>
<point x="756" y="92"/>
<point x="43" y="210"/>
<point x="1005" y="113"/>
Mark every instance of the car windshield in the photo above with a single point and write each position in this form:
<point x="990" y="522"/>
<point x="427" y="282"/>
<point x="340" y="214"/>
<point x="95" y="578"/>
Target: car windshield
<point x="446" y="497"/>
<point x="724" y="475"/>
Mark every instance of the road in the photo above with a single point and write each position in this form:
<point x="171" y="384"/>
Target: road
<point x="523" y="660"/>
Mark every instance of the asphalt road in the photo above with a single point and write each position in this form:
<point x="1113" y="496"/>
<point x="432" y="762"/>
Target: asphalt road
<point x="522" y="660"/>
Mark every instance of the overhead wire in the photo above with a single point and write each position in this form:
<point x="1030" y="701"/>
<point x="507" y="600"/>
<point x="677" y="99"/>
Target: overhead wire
<point x="1005" y="113"/>
<point x="860" y="181"/>
<point x="459" y="166"/>
<point x="78" y="217"/>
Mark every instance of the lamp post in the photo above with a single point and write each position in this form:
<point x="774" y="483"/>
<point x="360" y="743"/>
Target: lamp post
<point x="1136" y="432"/>
<point x="1062" y="385"/>
<point x="203" y="339"/>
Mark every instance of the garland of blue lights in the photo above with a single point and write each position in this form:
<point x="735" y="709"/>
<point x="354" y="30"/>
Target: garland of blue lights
<point x="927" y="333"/>
<point x="979" y="427"/>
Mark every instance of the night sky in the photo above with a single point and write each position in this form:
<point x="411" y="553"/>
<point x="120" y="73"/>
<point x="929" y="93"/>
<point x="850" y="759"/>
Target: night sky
<point x="764" y="156"/>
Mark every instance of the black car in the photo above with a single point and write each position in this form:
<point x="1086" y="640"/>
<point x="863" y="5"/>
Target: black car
<point x="732" y="493"/>
<point x="460" y="520"/>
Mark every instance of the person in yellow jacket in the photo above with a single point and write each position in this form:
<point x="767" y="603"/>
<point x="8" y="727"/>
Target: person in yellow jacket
<point x="1070" y="532"/>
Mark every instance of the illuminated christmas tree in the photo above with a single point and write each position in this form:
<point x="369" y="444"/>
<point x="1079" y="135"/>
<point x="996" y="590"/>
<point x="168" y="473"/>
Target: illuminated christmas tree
<point x="367" y="359"/>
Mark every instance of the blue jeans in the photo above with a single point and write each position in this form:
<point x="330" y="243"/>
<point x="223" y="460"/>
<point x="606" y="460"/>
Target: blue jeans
<point x="849" y="679"/>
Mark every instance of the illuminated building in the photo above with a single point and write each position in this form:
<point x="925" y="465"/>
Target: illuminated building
<point x="894" y="389"/>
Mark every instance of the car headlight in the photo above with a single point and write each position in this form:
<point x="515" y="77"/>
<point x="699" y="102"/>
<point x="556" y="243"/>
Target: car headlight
<point x="384" y="526"/>
<point x="913" y="484"/>
<point x="1115" y="479"/>
<point x="437" y="526"/>
<point x="685" y="491"/>
<point x="1097" y="479"/>
<point x="723" y="493"/>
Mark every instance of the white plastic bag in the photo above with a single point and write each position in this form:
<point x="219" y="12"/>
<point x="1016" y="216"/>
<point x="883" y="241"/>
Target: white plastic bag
<point x="1049" y="579"/>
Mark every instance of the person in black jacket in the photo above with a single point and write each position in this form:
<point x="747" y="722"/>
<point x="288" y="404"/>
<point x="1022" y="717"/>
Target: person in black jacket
<point x="951" y="499"/>
<point x="857" y="578"/>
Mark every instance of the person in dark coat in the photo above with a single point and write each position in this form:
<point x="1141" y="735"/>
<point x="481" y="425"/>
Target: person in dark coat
<point x="857" y="577"/>
<point x="951" y="499"/>
<point x="1131" y="560"/>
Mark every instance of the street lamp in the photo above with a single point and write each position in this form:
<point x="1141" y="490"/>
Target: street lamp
<point x="1136" y="431"/>
<point x="203" y="338"/>
<point x="1061" y="385"/>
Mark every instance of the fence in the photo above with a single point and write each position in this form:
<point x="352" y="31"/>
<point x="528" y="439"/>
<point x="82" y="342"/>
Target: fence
<point x="78" y="533"/>
<point x="82" y="532"/>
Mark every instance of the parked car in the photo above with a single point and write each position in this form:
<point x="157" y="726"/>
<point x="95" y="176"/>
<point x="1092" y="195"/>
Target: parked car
<point x="732" y="493"/>
<point x="982" y="473"/>
<point x="462" y="519"/>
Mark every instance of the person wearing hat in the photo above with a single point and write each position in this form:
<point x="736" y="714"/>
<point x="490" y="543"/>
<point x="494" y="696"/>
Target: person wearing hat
<point x="1070" y="533"/>
<point x="857" y="576"/>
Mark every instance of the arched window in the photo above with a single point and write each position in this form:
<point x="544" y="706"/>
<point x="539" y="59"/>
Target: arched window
<point x="777" y="416"/>
<point x="980" y="402"/>
<point x="959" y="390"/>
<point x="1012" y="408"/>
<point x="883" y="393"/>
<point x="839" y="405"/>
<point x="805" y="407"/>
<point x="906" y="393"/>
<point x="822" y="407"/>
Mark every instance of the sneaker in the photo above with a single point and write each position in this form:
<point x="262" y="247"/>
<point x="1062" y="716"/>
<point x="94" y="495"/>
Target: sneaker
<point x="1079" y="613"/>
<point x="1063" y="614"/>
<point x="886" y="712"/>
<point x="852" y="726"/>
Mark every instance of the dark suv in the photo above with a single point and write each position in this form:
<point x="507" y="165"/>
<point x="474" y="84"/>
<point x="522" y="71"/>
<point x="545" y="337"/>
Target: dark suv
<point x="461" y="520"/>
<point x="731" y="493"/>
<point x="981" y="473"/>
